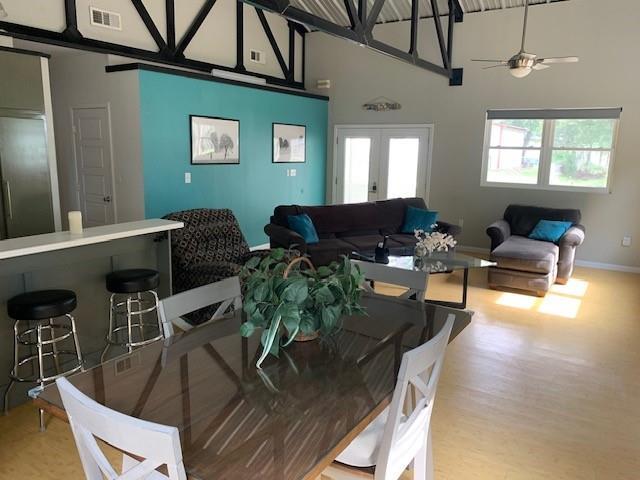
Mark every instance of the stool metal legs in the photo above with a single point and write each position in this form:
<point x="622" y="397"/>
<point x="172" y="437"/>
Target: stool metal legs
<point x="25" y="338"/>
<point x="132" y="309"/>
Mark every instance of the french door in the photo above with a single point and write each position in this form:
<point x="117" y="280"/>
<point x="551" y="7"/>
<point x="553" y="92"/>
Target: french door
<point x="382" y="162"/>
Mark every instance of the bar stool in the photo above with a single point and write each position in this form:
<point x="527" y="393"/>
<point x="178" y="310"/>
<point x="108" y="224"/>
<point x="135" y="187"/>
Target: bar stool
<point x="132" y="295"/>
<point x="42" y="308"/>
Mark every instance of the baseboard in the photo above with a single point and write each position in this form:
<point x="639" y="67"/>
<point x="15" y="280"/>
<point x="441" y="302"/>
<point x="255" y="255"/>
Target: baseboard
<point x="264" y="246"/>
<point x="607" y="266"/>
<point x="579" y="263"/>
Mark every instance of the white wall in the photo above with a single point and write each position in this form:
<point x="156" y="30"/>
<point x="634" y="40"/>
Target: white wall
<point x="214" y="42"/>
<point x="79" y="80"/>
<point x="604" y="35"/>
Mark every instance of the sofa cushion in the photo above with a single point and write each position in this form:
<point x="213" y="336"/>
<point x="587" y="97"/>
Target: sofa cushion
<point x="328" y="250"/>
<point x="404" y="239"/>
<point x="521" y="253"/>
<point x="368" y="243"/>
<point x="523" y="218"/>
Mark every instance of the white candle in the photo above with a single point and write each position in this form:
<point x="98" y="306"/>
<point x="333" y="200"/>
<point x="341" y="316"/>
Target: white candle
<point x="75" y="222"/>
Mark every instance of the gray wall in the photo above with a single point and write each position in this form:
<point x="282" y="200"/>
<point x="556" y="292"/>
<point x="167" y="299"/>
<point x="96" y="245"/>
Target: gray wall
<point x="605" y="37"/>
<point x="79" y="80"/>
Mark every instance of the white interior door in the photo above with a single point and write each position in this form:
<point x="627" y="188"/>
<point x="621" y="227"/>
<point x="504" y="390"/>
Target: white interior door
<point x="92" y="140"/>
<point x="394" y="161"/>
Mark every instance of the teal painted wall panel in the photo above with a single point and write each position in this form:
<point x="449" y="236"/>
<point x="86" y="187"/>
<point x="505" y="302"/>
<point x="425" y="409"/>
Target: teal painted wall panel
<point x="251" y="189"/>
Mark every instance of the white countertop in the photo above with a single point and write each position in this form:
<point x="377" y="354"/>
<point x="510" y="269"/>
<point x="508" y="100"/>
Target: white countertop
<point x="17" y="247"/>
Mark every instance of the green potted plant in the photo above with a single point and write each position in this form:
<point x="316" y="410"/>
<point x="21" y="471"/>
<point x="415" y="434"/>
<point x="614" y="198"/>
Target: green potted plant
<point x="290" y="302"/>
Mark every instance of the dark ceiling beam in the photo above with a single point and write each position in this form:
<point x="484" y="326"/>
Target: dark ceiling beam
<point x="440" y="34"/>
<point x="150" y="25"/>
<point x="170" y="9"/>
<point x="71" y="18"/>
<point x="272" y="41"/>
<point x="459" y="12"/>
<point x="364" y="35"/>
<point x="292" y="51"/>
<point x="240" y="36"/>
<point x="352" y="13"/>
<point x="194" y="27"/>
<point x="415" y="16"/>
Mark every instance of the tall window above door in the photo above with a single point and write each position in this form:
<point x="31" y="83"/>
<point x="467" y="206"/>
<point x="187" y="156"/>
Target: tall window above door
<point x="550" y="149"/>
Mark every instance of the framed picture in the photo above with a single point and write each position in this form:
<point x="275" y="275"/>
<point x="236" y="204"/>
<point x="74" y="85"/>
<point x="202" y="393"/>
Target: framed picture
<point x="289" y="143"/>
<point x="214" y="140"/>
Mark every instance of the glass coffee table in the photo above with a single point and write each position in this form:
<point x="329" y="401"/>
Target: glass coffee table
<point x="413" y="273"/>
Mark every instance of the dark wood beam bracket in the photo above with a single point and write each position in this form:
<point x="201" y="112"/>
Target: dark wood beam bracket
<point x="71" y="19"/>
<point x="194" y="27"/>
<point x="240" y="37"/>
<point x="151" y="27"/>
<point x="170" y="9"/>
<point x="272" y="41"/>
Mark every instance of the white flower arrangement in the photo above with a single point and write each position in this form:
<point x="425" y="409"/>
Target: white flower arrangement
<point x="429" y="242"/>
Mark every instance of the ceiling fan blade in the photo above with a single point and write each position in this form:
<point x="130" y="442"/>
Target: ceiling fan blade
<point x="494" y="66"/>
<point x="559" y="60"/>
<point x="501" y="62"/>
<point x="540" y="66"/>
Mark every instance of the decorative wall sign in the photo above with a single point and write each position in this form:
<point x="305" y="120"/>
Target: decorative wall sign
<point x="214" y="140"/>
<point x="289" y="143"/>
<point x="381" y="104"/>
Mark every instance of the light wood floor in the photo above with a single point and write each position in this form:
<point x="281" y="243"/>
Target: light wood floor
<point x="532" y="389"/>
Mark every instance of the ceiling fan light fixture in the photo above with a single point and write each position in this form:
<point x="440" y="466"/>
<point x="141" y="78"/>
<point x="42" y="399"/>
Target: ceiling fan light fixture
<point x="520" y="72"/>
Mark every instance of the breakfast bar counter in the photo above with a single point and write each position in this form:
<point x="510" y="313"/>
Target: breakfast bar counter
<point x="79" y="262"/>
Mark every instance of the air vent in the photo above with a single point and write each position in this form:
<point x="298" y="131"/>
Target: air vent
<point x="256" y="56"/>
<point x="105" y="19"/>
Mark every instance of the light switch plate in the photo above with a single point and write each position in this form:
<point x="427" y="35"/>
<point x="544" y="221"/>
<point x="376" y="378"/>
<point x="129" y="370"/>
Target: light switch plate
<point x="626" y="241"/>
<point x="187" y="177"/>
<point x="293" y="172"/>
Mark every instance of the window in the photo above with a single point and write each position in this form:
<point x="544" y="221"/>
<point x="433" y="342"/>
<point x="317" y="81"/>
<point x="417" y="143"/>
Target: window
<point x="550" y="149"/>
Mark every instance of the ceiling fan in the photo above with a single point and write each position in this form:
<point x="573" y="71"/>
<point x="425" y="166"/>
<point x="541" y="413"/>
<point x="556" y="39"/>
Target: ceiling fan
<point x="522" y="63"/>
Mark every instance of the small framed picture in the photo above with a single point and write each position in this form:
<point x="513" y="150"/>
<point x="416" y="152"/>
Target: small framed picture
<point x="214" y="140"/>
<point x="289" y="143"/>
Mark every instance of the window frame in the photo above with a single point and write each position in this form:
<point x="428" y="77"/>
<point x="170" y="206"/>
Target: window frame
<point x="546" y="152"/>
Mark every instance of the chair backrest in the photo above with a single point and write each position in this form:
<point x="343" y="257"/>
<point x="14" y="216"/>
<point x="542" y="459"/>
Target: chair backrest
<point x="523" y="218"/>
<point x="226" y="292"/>
<point x="157" y="444"/>
<point x="407" y="429"/>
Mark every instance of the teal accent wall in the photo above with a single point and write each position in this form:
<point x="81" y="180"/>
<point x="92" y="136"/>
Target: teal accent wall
<point x="251" y="189"/>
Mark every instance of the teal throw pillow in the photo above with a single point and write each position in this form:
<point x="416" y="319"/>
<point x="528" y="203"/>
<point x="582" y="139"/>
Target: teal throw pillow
<point x="419" y="219"/>
<point x="303" y="225"/>
<point x="550" y="230"/>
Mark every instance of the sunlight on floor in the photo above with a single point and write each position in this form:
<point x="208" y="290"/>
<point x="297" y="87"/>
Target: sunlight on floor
<point x="560" y="306"/>
<point x="562" y="300"/>
<point x="524" y="302"/>
<point x="574" y="288"/>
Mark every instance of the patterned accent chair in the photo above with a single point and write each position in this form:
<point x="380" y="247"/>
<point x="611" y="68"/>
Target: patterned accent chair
<point x="210" y="247"/>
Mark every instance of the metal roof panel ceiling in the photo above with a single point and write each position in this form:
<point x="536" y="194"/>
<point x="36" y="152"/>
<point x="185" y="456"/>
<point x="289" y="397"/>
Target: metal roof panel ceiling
<point x="398" y="10"/>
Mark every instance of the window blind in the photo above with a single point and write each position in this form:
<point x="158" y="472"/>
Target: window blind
<point x="553" y="113"/>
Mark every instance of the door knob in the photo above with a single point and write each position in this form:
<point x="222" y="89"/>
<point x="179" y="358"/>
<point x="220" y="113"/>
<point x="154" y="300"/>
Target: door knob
<point x="107" y="199"/>
<point x="374" y="188"/>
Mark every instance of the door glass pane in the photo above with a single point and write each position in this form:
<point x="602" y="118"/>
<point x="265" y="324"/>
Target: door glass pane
<point x="516" y="133"/>
<point x="513" y="165"/>
<point x="356" y="169"/>
<point x="580" y="168"/>
<point x="584" y="133"/>
<point x="403" y="167"/>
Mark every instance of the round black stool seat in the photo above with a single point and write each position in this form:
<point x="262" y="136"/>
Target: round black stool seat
<point x="133" y="280"/>
<point x="41" y="304"/>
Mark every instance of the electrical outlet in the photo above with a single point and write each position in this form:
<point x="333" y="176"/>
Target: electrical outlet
<point x="293" y="172"/>
<point x="187" y="177"/>
<point x="626" y="241"/>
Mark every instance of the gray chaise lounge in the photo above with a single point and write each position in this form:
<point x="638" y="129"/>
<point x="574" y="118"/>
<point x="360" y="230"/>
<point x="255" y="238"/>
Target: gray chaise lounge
<point x="527" y="264"/>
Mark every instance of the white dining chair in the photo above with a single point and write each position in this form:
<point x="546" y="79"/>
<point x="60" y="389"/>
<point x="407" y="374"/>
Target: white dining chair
<point x="400" y="435"/>
<point x="157" y="445"/>
<point x="226" y="292"/>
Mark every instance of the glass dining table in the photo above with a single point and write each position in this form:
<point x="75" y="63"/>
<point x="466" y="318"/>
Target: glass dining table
<point x="290" y="419"/>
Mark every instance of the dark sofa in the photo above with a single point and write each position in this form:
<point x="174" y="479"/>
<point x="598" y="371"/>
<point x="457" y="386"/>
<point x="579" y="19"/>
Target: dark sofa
<point x="528" y="264"/>
<point x="345" y="228"/>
